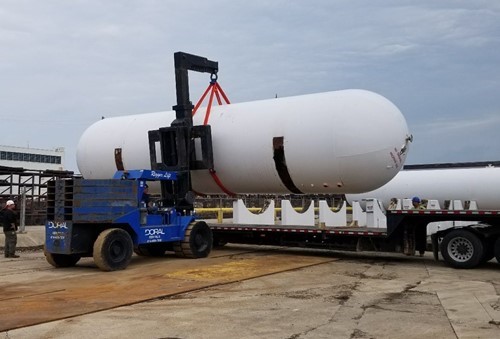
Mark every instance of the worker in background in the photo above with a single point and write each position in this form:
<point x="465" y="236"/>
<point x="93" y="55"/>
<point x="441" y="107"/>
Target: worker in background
<point x="417" y="204"/>
<point x="146" y="197"/>
<point x="421" y="232"/>
<point x="146" y="200"/>
<point x="8" y="217"/>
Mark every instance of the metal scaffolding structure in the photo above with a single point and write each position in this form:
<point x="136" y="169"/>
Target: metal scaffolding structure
<point x="28" y="188"/>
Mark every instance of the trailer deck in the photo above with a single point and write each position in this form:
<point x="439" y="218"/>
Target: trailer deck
<point x="354" y="231"/>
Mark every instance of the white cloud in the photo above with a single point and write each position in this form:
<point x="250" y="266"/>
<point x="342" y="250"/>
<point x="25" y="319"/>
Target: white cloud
<point x="76" y="61"/>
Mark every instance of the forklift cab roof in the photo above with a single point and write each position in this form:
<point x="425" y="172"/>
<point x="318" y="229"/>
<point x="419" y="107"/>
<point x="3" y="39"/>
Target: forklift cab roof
<point x="145" y="175"/>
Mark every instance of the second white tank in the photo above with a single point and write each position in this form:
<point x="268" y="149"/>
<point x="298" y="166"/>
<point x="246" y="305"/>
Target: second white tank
<point x="479" y="184"/>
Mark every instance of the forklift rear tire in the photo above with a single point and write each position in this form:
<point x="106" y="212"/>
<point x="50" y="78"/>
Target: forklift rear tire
<point x="61" y="260"/>
<point x="113" y="249"/>
<point x="197" y="241"/>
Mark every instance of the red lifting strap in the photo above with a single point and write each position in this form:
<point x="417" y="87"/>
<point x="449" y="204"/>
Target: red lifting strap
<point x="215" y="90"/>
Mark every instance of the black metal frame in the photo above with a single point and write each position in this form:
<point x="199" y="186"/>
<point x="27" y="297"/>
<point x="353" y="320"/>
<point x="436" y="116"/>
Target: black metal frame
<point x="34" y="182"/>
<point x="177" y="142"/>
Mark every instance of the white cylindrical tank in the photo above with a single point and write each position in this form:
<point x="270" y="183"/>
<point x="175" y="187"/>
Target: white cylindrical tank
<point x="334" y="142"/>
<point x="479" y="184"/>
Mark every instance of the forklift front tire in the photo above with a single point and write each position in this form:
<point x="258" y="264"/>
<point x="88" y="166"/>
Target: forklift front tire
<point x="113" y="249"/>
<point x="197" y="241"/>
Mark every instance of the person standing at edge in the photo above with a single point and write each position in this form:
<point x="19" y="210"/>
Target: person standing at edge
<point x="9" y="229"/>
<point x="146" y="197"/>
<point x="420" y="232"/>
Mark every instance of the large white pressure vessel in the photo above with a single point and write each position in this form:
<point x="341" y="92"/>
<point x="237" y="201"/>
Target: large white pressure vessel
<point x="334" y="142"/>
<point x="473" y="184"/>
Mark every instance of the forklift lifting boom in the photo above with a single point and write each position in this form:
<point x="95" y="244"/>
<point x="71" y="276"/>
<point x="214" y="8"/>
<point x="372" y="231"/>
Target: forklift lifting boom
<point x="177" y="141"/>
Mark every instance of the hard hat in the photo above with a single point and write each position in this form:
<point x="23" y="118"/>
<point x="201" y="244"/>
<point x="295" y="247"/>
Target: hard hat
<point x="9" y="202"/>
<point x="415" y="199"/>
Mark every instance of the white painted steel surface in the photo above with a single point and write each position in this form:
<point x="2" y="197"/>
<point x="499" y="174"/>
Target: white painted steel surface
<point x="289" y="216"/>
<point x="465" y="184"/>
<point x="241" y="214"/>
<point x="334" y="142"/>
<point x="331" y="218"/>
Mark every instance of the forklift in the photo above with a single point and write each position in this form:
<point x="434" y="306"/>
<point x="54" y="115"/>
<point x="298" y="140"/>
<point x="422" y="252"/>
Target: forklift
<point x="108" y="219"/>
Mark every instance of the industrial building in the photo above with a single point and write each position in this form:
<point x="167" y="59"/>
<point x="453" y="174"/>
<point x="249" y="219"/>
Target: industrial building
<point x="32" y="158"/>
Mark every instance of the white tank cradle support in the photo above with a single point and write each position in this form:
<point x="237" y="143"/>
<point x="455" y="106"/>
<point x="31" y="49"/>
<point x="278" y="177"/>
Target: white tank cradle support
<point x="291" y="217"/>
<point x="375" y="214"/>
<point x="433" y="205"/>
<point x="472" y="205"/>
<point x="407" y="204"/>
<point x="241" y="214"/>
<point x="358" y="215"/>
<point x="457" y="205"/>
<point x="329" y="218"/>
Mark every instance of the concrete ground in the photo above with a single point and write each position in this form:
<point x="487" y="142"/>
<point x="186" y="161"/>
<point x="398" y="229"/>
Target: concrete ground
<point x="346" y="295"/>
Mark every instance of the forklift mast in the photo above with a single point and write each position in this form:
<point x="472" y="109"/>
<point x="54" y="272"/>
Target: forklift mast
<point x="177" y="143"/>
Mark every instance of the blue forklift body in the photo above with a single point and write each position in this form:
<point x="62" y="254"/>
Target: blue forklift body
<point x="80" y="209"/>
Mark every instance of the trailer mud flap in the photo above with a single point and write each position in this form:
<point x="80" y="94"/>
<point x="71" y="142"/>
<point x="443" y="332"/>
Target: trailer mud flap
<point x="435" y="246"/>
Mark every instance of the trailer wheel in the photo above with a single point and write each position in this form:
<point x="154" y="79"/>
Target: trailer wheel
<point x="462" y="249"/>
<point x="113" y="249"/>
<point x="197" y="241"/>
<point x="61" y="260"/>
<point x="497" y="250"/>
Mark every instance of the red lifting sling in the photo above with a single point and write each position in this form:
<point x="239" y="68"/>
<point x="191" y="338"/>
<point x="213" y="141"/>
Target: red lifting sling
<point x="215" y="90"/>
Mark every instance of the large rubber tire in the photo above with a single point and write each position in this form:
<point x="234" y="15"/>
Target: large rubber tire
<point x="113" y="249"/>
<point x="462" y="249"/>
<point x="61" y="260"/>
<point x="197" y="243"/>
<point x="497" y="250"/>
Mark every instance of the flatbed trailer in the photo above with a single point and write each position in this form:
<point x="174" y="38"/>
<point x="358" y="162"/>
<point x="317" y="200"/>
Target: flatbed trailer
<point x="406" y="232"/>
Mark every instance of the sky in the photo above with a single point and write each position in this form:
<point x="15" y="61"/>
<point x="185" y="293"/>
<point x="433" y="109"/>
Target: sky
<point x="64" y="64"/>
